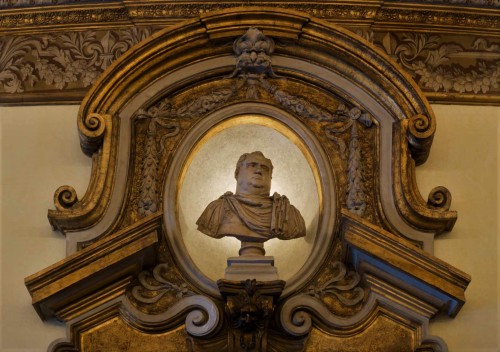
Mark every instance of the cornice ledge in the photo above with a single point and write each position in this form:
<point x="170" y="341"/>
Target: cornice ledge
<point x="371" y="249"/>
<point x="110" y="14"/>
<point x="442" y="17"/>
<point x="298" y="314"/>
<point x="33" y="37"/>
<point x="377" y="13"/>
<point x="130" y="249"/>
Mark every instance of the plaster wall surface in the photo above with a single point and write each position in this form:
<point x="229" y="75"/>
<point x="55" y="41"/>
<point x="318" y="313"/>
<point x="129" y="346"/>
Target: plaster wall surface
<point x="40" y="151"/>
<point x="465" y="158"/>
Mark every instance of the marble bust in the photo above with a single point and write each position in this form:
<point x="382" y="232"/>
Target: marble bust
<point x="252" y="214"/>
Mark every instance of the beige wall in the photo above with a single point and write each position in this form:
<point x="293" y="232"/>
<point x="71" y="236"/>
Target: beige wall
<point x="465" y="157"/>
<point x="40" y="152"/>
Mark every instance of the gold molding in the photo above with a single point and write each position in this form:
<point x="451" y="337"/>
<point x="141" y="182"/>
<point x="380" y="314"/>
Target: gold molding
<point x="390" y="249"/>
<point x="366" y="124"/>
<point x="161" y="54"/>
<point x="450" y="50"/>
<point x="115" y="257"/>
<point x="458" y="18"/>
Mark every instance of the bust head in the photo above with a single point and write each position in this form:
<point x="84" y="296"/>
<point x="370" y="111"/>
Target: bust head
<point x="253" y="174"/>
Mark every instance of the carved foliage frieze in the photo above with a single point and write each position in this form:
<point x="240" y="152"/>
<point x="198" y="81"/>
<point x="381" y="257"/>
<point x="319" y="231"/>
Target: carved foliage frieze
<point x="336" y="302"/>
<point x="62" y="61"/>
<point x="448" y="67"/>
<point x="446" y="64"/>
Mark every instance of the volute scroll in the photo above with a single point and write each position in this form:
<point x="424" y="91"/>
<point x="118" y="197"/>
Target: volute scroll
<point x="92" y="129"/>
<point x="439" y="198"/>
<point x="421" y="129"/>
<point x="65" y="197"/>
<point x="352" y="127"/>
<point x="72" y="213"/>
<point x="426" y="216"/>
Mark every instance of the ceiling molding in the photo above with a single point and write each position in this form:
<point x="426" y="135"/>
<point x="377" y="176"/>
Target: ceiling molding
<point x="52" y="53"/>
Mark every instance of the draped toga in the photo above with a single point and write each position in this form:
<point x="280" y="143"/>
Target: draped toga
<point x="252" y="218"/>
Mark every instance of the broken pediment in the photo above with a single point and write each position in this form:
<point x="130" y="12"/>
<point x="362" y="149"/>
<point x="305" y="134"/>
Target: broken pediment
<point x="165" y="125"/>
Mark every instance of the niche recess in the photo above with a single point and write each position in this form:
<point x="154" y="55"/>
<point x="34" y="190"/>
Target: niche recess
<point x="354" y="127"/>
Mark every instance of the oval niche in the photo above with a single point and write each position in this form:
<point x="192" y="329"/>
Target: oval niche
<point x="203" y="170"/>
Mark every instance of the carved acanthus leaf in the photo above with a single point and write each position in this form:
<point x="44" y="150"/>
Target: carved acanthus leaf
<point x="343" y="285"/>
<point x="434" y="62"/>
<point x="253" y="50"/>
<point x="154" y="286"/>
<point x="64" y="60"/>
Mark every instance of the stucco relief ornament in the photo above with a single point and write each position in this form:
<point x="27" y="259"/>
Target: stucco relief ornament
<point x="253" y="64"/>
<point x="351" y="119"/>
<point x="154" y="286"/>
<point x="158" y="117"/>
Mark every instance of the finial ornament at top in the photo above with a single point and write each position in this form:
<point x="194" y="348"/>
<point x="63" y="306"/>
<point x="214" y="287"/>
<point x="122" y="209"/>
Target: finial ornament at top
<point x="254" y="51"/>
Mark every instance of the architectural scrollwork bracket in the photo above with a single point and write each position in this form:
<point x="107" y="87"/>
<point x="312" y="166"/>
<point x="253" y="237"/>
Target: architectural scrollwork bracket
<point x="359" y="123"/>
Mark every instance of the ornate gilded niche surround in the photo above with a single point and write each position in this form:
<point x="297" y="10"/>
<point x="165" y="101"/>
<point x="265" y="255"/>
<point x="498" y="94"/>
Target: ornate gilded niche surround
<point x="362" y="124"/>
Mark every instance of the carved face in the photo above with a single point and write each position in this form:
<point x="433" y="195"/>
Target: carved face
<point x="253" y="50"/>
<point x="254" y="176"/>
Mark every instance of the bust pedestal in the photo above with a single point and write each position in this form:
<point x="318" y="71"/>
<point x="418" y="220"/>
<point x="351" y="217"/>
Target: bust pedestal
<point x="251" y="264"/>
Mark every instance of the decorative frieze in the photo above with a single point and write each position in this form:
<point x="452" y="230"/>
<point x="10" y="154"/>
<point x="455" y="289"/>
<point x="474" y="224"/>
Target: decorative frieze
<point x="446" y="64"/>
<point x="362" y="126"/>
<point x="62" y="60"/>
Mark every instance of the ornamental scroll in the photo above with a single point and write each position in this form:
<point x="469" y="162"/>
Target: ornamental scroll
<point x="369" y="279"/>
